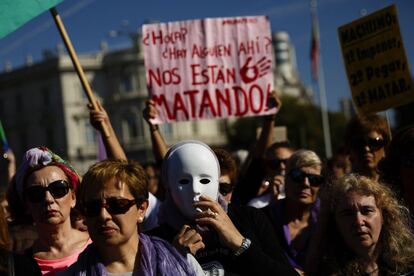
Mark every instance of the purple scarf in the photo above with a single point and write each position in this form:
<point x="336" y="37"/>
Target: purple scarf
<point x="157" y="258"/>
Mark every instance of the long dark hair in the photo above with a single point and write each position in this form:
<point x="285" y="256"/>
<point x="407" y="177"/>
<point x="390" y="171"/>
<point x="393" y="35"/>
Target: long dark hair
<point x="4" y="244"/>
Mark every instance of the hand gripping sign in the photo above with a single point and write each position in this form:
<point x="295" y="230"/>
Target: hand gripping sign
<point x="211" y="68"/>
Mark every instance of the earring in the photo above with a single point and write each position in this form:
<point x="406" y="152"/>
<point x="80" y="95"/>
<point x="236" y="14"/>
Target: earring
<point x="140" y="219"/>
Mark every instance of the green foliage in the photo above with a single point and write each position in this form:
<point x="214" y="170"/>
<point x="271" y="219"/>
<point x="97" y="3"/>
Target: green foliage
<point x="304" y="127"/>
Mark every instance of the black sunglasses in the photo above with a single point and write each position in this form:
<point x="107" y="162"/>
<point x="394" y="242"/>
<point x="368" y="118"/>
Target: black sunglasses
<point x="57" y="189"/>
<point x="113" y="205"/>
<point x="225" y="188"/>
<point x="275" y="163"/>
<point x="297" y="175"/>
<point x="373" y="143"/>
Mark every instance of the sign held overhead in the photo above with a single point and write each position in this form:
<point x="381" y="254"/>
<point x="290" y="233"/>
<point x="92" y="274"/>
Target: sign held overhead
<point x="211" y="68"/>
<point x="375" y="61"/>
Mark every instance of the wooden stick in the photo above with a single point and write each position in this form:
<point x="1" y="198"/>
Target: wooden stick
<point x="78" y="67"/>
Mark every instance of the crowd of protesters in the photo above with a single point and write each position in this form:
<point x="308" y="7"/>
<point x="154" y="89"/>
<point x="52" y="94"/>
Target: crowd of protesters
<point x="197" y="210"/>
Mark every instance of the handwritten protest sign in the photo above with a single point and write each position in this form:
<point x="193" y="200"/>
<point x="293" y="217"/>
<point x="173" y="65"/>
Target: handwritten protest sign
<point x="375" y="61"/>
<point x="211" y="68"/>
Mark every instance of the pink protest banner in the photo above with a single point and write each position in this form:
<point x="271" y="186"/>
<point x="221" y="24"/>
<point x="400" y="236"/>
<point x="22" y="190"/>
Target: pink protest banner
<point x="211" y="68"/>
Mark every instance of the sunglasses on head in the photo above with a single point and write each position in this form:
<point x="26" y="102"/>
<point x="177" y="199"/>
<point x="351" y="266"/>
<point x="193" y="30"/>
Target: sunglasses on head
<point x="57" y="189"/>
<point x="374" y="144"/>
<point x="225" y="188"/>
<point x="275" y="163"/>
<point x="113" y="205"/>
<point x="297" y="175"/>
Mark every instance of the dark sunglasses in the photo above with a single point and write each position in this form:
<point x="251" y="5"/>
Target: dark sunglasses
<point x="297" y="175"/>
<point x="225" y="188"/>
<point x="113" y="205"/>
<point x="373" y="143"/>
<point x="275" y="163"/>
<point x="57" y="189"/>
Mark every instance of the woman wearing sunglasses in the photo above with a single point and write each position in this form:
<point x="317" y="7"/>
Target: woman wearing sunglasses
<point x="295" y="216"/>
<point x="114" y="197"/>
<point x="366" y="138"/>
<point x="45" y="186"/>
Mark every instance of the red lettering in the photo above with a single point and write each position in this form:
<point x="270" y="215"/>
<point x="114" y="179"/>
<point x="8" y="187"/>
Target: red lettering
<point x="251" y="97"/>
<point x="155" y="37"/>
<point x="145" y="39"/>
<point x="191" y="94"/>
<point x="269" y="91"/>
<point x="238" y="91"/>
<point x="165" y="77"/>
<point x="154" y="76"/>
<point x="161" y="101"/>
<point x="179" y="106"/>
<point x="223" y="100"/>
<point x="206" y="103"/>
<point x="198" y="76"/>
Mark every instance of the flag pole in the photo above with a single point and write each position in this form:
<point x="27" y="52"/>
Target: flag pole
<point x="321" y="86"/>
<point x="76" y="64"/>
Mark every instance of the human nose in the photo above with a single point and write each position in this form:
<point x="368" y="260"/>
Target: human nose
<point x="104" y="214"/>
<point x="359" y="219"/>
<point x="48" y="197"/>
<point x="306" y="181"/>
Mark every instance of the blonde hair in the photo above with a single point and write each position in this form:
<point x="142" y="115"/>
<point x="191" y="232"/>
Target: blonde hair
<point x="303" y="158"/>
<point x="395" y="248"/>
<point x="128" y="172"/>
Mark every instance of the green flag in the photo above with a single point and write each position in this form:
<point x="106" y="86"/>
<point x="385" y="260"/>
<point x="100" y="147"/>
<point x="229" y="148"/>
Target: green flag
<point x="3" y="139"/>
<point x="14" y="13"/>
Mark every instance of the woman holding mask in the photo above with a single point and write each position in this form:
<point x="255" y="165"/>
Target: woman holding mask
<point x="223" y="238"/>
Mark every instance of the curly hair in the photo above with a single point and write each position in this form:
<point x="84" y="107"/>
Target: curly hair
<point x="395" y="248"/>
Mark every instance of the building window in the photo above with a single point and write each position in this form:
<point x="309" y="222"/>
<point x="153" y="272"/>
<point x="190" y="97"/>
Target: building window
<point x="127" y="83"/>
<point x="131" y="127"/>
<point x="142" y="82"/>
<point x="46" y="96"/>
<point x="89" y="133"/>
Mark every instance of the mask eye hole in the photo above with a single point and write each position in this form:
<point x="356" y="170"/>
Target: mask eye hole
<point x="205" y="181"/>
<point x="184" y="181"/>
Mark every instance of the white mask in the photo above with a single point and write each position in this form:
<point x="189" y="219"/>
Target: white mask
<point x="191" y="169"/>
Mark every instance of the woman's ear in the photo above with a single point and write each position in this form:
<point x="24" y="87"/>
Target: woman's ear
<point x="142" y="209"/>
<point x="73" y="204"/>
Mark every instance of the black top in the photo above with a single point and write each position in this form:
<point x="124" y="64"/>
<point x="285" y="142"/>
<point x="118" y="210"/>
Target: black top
<point x="248" y="185"/>
<point x="263" y="257"/>
<point x="22" y="265"/>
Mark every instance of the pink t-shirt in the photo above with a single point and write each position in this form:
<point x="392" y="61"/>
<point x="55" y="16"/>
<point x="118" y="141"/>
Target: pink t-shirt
<point x="51" y="267"/>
